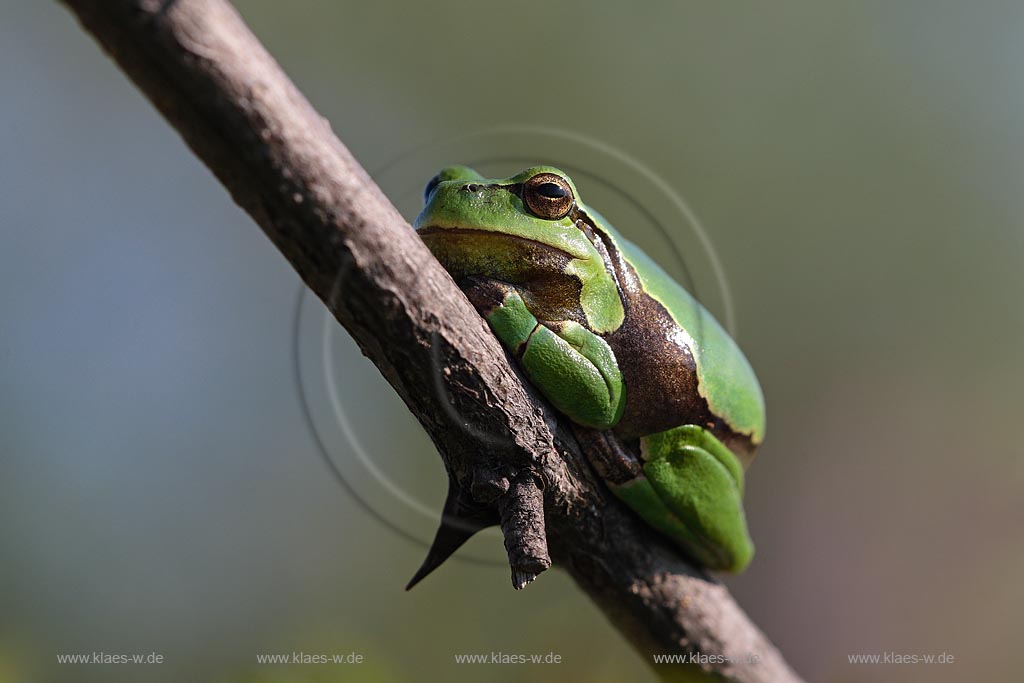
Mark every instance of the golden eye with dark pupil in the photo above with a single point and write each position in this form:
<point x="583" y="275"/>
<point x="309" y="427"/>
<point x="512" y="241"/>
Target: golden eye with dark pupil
<point x="548" y="196"/>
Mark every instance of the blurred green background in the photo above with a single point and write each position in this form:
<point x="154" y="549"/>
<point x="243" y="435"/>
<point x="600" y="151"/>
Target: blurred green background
<point x="857" y="166"/>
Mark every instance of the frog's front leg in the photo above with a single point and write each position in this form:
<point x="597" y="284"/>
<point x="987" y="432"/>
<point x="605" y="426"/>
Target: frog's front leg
<point x="692" y="490"/>
<point x="574" y="368"/>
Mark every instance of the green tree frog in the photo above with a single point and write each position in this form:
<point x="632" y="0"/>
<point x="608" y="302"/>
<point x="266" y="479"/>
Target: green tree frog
<point x="666" y="405"/>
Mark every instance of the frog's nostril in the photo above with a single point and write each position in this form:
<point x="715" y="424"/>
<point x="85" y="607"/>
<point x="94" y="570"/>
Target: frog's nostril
<point x="472" y="187"/>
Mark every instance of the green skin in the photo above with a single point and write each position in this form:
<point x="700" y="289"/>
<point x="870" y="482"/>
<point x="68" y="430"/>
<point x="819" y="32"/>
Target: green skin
<point x="666" y="403"/>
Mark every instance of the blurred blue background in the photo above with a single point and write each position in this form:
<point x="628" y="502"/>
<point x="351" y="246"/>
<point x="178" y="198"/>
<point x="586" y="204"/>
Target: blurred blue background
<point x="858" y="168"/>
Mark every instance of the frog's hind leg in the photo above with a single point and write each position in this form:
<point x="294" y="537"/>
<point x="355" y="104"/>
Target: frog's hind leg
<point x="624" y="473"/>
<point x="699" y="482"/>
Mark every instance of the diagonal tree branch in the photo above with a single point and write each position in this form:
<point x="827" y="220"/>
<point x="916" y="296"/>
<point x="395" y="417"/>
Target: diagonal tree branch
<point x="509" y="458"/>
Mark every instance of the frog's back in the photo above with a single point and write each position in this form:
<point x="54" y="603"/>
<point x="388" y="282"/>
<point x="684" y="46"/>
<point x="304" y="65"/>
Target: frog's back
<point x="716" y="383"/>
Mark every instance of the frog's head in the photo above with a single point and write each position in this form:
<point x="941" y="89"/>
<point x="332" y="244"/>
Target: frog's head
<point x="529" y="230"/>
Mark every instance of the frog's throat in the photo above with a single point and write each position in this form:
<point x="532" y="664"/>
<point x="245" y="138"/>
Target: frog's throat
<point x="438" y="230"/>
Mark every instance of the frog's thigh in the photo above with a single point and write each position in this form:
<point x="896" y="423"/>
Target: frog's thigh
<point x="704" y="494"/>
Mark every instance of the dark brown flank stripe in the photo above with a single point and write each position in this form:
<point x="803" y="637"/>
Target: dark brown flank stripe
<point x="658" y="370"/>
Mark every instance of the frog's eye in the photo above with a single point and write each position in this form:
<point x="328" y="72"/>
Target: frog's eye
<point x="431" y="186"/>
<point x="548" y="196"/>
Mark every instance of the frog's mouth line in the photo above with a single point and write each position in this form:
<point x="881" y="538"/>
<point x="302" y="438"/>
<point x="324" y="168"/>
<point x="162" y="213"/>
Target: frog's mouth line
<point x="427" y="230"/>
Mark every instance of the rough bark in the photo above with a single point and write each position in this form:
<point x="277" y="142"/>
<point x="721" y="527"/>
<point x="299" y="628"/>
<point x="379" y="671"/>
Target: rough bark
<point x="502" y="446"/>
